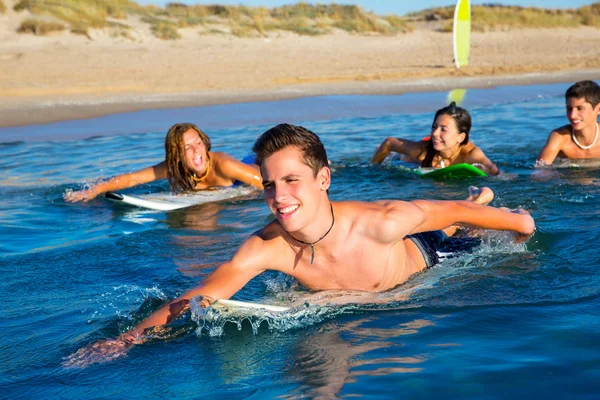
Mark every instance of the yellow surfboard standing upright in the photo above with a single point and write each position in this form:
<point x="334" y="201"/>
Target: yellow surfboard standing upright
<point x="462" y="33"/>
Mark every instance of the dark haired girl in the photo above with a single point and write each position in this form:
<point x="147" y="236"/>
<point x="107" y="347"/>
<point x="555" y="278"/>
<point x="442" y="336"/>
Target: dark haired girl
<point x="448" y="144"/>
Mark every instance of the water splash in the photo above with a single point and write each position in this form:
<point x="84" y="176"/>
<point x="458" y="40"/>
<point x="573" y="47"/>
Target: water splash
<point x="307" y="308"/>
<point x="213" y="320"/>
<point x="123" y="297"/>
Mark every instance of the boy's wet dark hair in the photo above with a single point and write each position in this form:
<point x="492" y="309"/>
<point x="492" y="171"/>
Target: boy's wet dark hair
<point x="284" y="135"/>
<point x="587" y="90"/>
<point x="461" y="118"/>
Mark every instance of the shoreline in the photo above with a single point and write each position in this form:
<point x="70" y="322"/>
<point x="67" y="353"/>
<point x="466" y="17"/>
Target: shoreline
<point x="65" y="77"/>
<point x="19" y="111"/>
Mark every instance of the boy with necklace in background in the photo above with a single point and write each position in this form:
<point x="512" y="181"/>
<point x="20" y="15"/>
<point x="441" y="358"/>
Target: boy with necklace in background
<point x="579" y="138"/>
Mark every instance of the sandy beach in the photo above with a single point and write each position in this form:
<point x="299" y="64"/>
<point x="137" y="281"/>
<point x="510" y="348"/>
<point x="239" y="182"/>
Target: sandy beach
<point x="67" y="76"/>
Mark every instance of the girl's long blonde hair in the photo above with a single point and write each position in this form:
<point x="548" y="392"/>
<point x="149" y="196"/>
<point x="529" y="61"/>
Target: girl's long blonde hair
<point x="180" y="177"/>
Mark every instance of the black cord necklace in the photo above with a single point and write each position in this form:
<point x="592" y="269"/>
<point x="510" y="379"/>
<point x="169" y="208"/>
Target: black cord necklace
<point x="312" y="248"/>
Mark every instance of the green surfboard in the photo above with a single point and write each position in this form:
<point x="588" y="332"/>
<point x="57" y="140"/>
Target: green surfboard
<point x="462" y="33"/>
<point x="456" y="171"/>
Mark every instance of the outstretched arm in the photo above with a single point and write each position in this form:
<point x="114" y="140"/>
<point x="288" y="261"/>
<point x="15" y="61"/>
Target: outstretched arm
<point x="550" y="150"/>
<point x="443" y="214"/>
<point x="238" y="171"/>
<point x="397" y="145"/>
<point x="399" y="218"/>
<point x="118" y="182"/>
<point x="225" y="281"/>
<point x="479" y="159"/>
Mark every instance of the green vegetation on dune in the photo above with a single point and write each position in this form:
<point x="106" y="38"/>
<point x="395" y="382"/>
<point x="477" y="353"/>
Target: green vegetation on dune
<point x="2" y="7"/>
<point x="80" y="15"/>
<point x="494" y="16"/>
<point x="38" y="27"/>
<point x="349" y="18"/>
<point x="94" y="13"/>
<point x="301" y="18"/>
<point x="521" y="17"/>
<point x="590" y="15"/>
<point x="163" y="29"/>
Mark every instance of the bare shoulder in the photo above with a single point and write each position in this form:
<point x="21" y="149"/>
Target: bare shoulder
<point x="474" y="154"/>
<point x="271" y="232"/>
<point x="420" y="148"/>
<point x="420" y="145"/>
<point x="561" y="134"/>
<point x="266" y="249"/>
<point x="378" y="209"/>
<point x="224" y="161"/>
<point x="395" y="211"/>
<point x="226" y="164"/>
<point x="161" y="170"/>
<point x="384" y="220"/>
<point x="220" y="158"/>
<point x="471" y="150"/>
<point x="559" y="138"/>
<point x="469" y="147"/>
<point x="563" y="130"/>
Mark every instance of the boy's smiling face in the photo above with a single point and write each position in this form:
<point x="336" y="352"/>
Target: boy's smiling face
<point x="291" y="190"/>
<point x="580" y="113"/>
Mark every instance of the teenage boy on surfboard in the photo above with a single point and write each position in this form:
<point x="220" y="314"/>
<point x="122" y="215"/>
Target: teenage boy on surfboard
<point x="579" y="138"/>
<point x="325" y="245"/>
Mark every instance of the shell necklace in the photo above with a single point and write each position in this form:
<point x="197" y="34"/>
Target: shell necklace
<point x="579" y="144"/>
<point x="442" y="163"/>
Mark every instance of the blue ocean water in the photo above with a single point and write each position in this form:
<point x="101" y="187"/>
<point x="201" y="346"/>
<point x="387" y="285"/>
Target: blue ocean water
<point x="506" y="321"/>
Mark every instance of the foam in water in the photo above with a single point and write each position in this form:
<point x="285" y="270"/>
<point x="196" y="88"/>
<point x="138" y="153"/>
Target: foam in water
<point x="311" y="308"/>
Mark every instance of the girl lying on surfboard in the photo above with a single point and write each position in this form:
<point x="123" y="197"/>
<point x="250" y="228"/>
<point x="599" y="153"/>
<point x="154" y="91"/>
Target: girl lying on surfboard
<point x="448" y="143"/>
<point x="189" y="165"/>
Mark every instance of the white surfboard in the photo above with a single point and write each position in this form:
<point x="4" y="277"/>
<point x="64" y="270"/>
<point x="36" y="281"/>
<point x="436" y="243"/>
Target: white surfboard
<point x="168" y="201"/>
<point x="228" y="310"/>
<point x="244" y="305"/>
<point x="462" y="33"/>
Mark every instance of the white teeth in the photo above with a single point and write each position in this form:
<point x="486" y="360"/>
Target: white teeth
<point x="288" y="209"/>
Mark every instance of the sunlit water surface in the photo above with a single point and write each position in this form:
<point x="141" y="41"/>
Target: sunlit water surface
<point x="506" y="321"/>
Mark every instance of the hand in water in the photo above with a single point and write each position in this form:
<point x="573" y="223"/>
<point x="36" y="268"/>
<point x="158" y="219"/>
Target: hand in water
<point x="99" y="352"/>
<point x="111" y="349"/>
<point x="522" y="238"/>
<point x="519" y="237"/>
<point x="80" y="195"/>
<point x="543" y="171"/>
